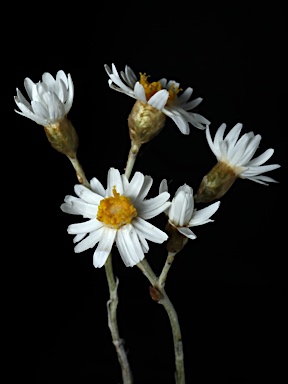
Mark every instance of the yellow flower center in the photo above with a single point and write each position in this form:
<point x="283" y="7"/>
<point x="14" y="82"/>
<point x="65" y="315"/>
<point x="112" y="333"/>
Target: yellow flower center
<point x="151" y="88"/>
<point x="116" y="210"/>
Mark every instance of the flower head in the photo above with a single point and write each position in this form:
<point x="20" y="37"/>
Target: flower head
<point x="182" y="215"/>
<point x="51" y="99"/>
<point x="235" y="160"/>
<point x="117" y="214"/>
<point x="161" y="95"/>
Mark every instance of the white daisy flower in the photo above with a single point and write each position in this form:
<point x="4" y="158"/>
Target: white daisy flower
<point x="182" y="215"/>
<point x="162" y="95"/>
<point x="117" y="214"/>
<point x="51" y="99"/>
<point x="237" y="153"/>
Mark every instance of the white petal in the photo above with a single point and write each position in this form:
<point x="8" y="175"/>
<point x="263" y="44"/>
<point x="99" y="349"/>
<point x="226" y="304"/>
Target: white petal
<point x="163" y="186"/>
<point x="90" y="241"/>
<point x="214" y="148"/>
<point x="107" y="69"/>
<point x="85" y="227"/>
<point x="39" y="109"/>
<point x="60" y="75"/>
<point x="123" y="249"/>
<point x="114" y="180"/>
<point x="250" y="150"/>
<point x="87" y="195"/>
<point x="149" y="231"/>
<point x="115" y="88"/>
<point x="129" y="246"/>
<point x="184" y="97"/>
<point x="139" y="92"/>
<point x="178" y="119"/>
<point x="29" y="87"/>
<point x="218" y="138"/>
<point x="104" y="247"/>
<point x="254" y="171"/>
<point x="240" y="148"/>
<point x="30" y="115"/>
<point x="70" y="95"/>
<point x="198" y="121"/>
<point x="143" y="242"/>
<point x="177" y="209"/>
<point x="259" y="160"/>
<point x="188" y="207"/>
<point x="135" y="186"/>
<point x="262" y="179"/>
<point x="55" y="106"/>
<point x="145" y="188"/>
<point x="185" y="188"/>
<point x="84" y="209"/>
<point x="232" y="138"/>
<point x="192" y="104"/>
<point x="116" y="80"/>
<point x="49" y="80"/>
<point x="130" y="77"/>
<point x="152" y="207"/>
<point x="68" y="208"/>
<point x="202" y="216"/>
<point x="61" y="90"/>
<point x="125" y="183"/>
<point x="79" y="237"/>
<point x="97" y="187"/>
<point x="159" y="99"/>
<point x="172" y="84"/>
<point x="22" y="99"/>
<point x="114" y="70"/>
<point x="163" y="82"/>
<point x="187" y="232"/>
<point x="38" y="91"/>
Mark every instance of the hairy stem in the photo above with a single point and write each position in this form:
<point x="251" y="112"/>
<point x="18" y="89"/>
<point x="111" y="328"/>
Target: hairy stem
<point x="163" y="276"/>
<point x="131" y="158"/>
<point x="159" y="295"/>
<point x="112" y="323"/>
<point x="79" y="172"/>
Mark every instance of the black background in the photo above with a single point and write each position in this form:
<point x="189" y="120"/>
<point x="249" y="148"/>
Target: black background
<point x="228" y="286"/>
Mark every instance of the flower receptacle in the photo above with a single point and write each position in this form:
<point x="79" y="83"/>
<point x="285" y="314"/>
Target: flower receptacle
<point x="176" y="241"/>
<point x="145" y="122"/>
<point x="216" y="183"/>
<point x="63" y="137"/>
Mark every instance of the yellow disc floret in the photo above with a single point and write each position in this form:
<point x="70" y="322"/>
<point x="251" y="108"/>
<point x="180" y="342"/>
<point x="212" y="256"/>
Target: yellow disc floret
<point x="150" y="88"/>
<point x="116" y="210"/>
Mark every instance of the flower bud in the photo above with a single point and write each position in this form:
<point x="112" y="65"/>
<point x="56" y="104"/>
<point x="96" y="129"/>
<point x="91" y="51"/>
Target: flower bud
<point x="145" y="122"/>
<point x="216" y="183"/>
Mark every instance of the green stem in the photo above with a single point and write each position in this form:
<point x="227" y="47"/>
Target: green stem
<point x="112" y="322"/>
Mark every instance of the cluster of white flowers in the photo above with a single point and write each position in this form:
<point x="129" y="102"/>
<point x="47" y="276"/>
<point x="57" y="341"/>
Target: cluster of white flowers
<point x="118" y="213"/>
